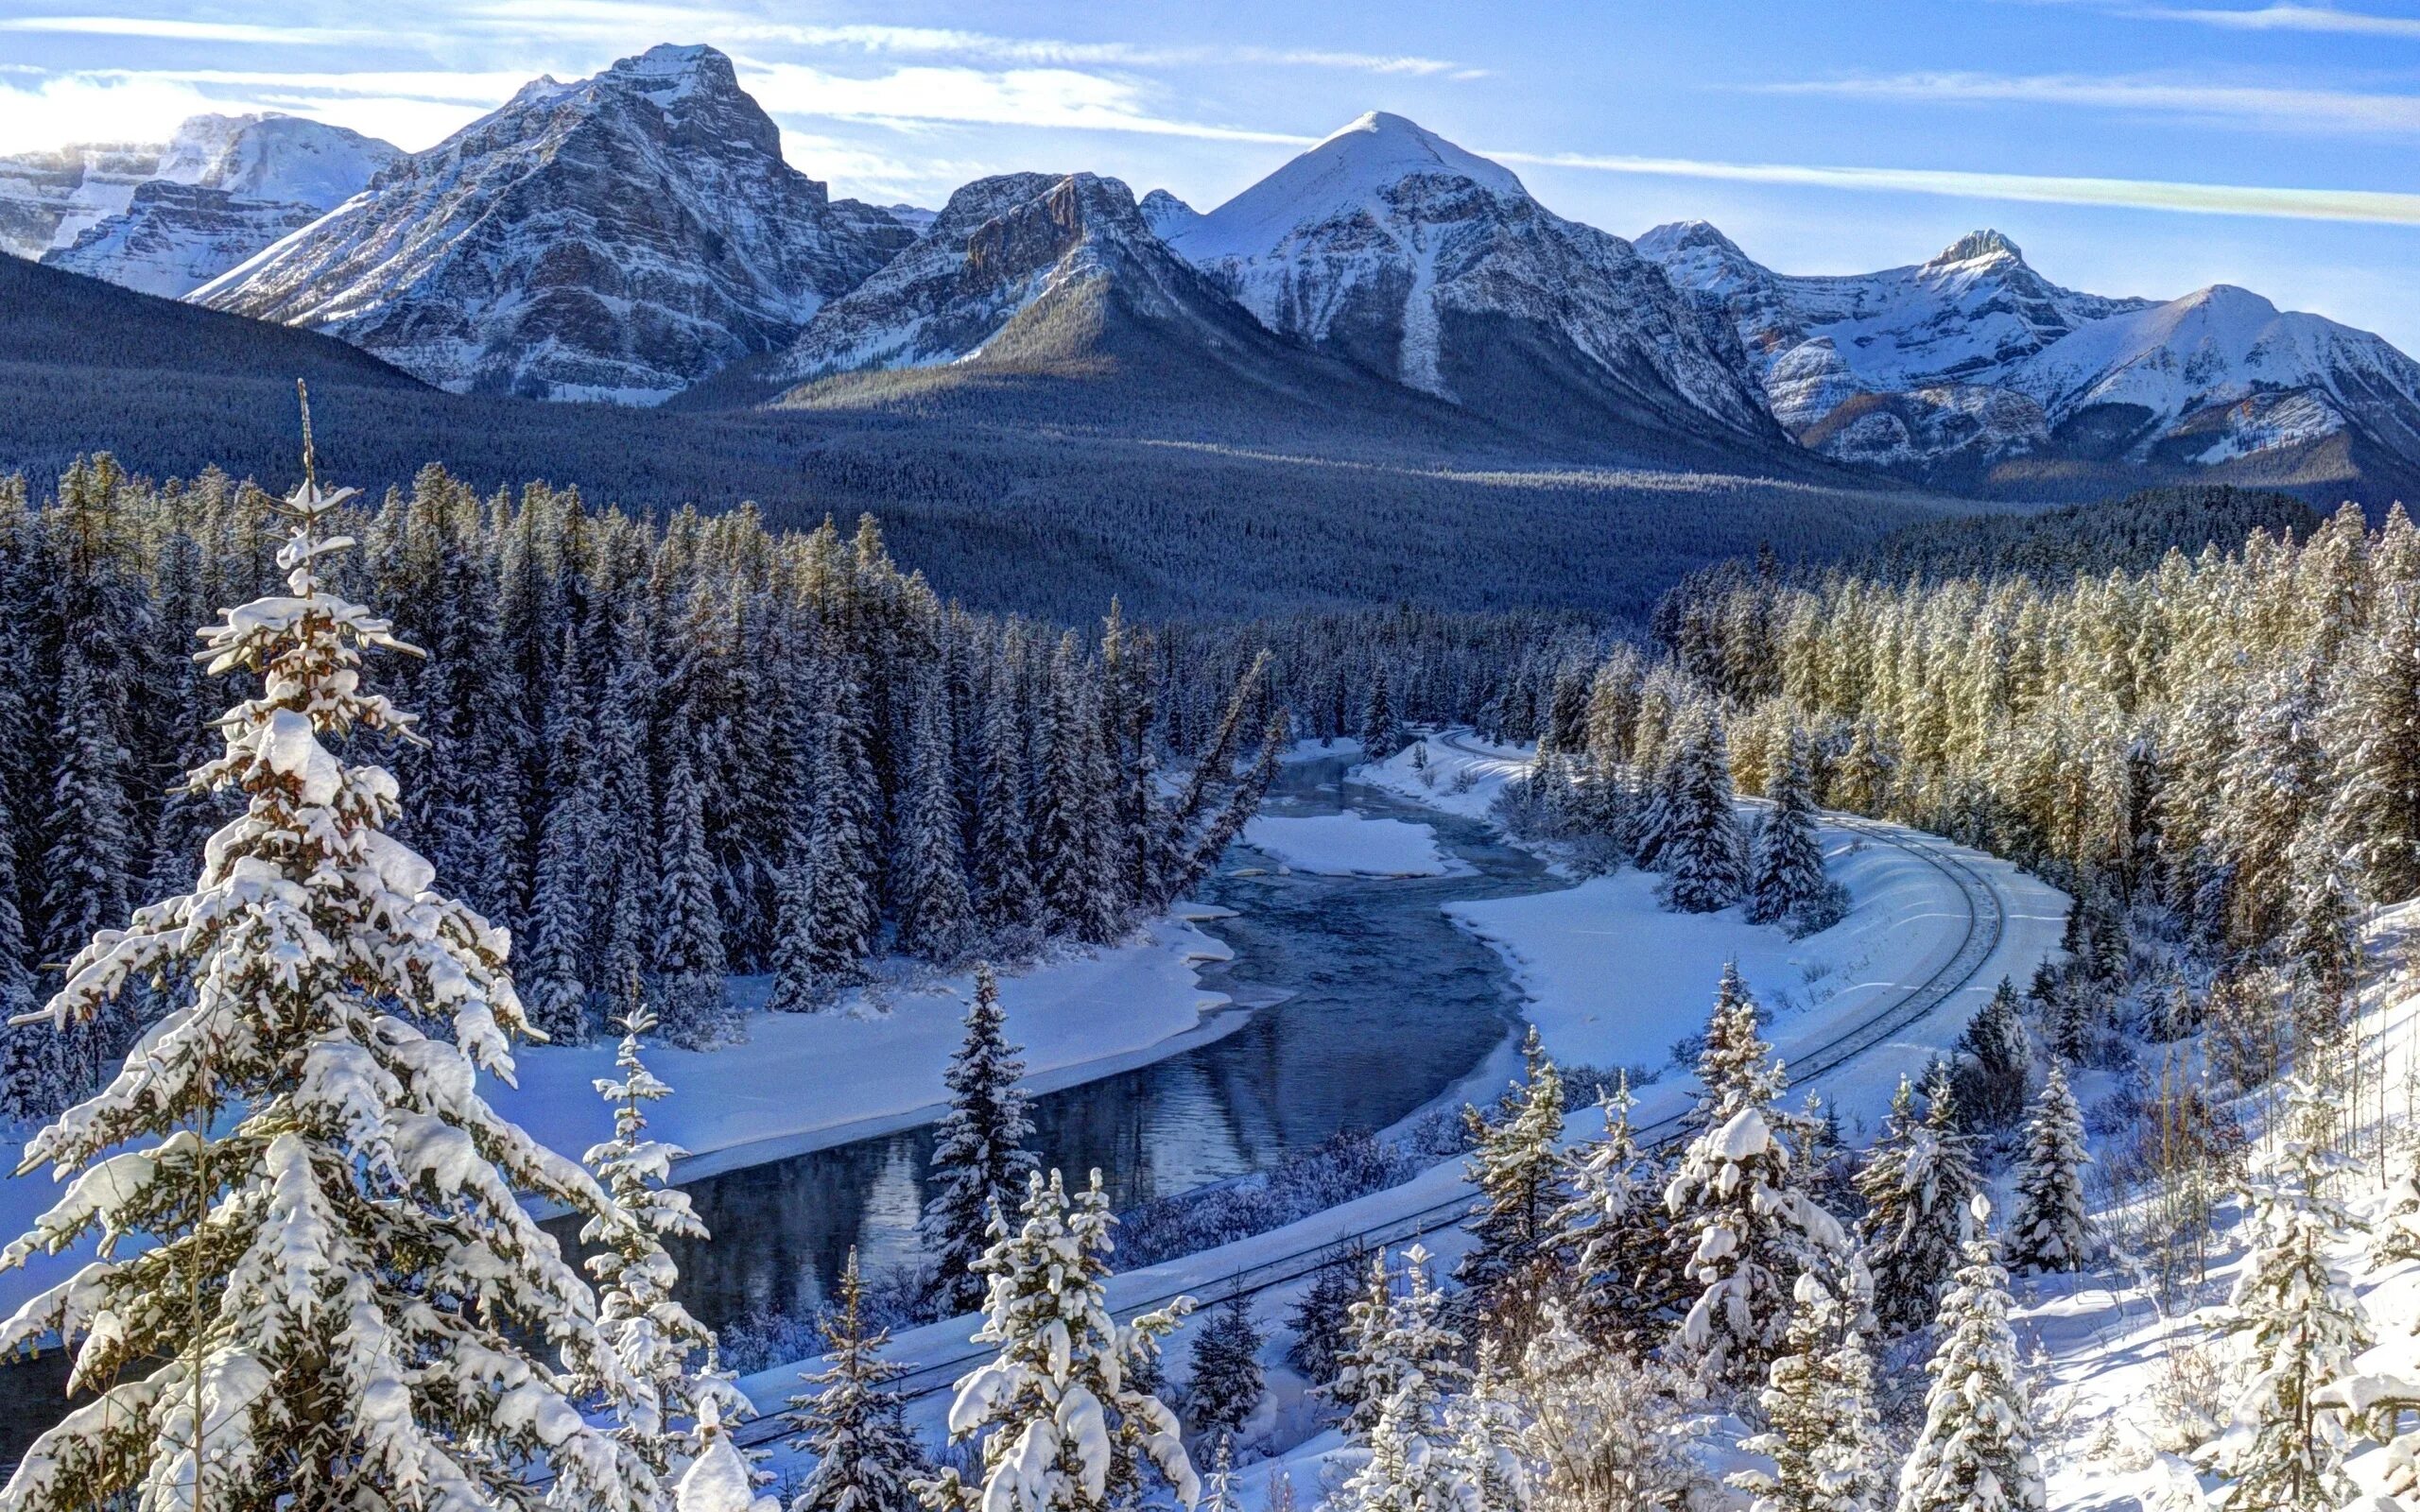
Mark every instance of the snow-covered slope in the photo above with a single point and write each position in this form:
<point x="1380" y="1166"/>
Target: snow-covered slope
<point x="48" y="199"/>
<point x="282" y="159"/>
<point x="1974" y="356"/>
<point x="174" y="238"/>
<point x="1390" y="245"/>
<point x="617" y="239"/>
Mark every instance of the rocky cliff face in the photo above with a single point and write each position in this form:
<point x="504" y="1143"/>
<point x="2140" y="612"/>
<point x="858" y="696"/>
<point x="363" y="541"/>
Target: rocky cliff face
<point x="615" y="239"/>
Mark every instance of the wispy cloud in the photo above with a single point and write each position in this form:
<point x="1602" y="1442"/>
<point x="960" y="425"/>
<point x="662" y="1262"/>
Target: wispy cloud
<point x="1053" y="98"/>
<point x="173" y="30"/>
<point x="2301" y="109"/>
<point x="2134" y="193"/>
<point x="2327" y="19"/>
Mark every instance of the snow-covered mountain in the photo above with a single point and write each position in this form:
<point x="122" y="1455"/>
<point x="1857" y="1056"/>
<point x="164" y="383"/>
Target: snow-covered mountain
<point x="1390" y="245"/>
<point x="615" y="239"/>
<point x="167" y="219"/>
<point x="48" y="199"/>
<point x="1973" y="358"/>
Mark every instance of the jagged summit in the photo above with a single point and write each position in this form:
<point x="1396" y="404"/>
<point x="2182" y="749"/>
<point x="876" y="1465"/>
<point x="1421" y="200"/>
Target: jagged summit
<point x="1978" y="246"/>
<point x="617" y="237"/>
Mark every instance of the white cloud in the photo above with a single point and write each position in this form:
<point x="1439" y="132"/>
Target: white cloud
<point x="171" y="30"/>
<point x="1049" y="99"/>
<point x="2289" y="18"/>
<point x="81" y="108"/>
<point x="2276" y="108"/>
<point x="2374" y="206"/>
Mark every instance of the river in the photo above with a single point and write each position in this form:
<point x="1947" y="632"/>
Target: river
<point x="1379" y="1007"/>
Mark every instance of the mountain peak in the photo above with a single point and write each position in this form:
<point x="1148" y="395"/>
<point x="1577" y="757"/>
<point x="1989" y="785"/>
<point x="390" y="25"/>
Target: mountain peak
<point x="1381" y="147"/>
<point x="1977" y="246"/>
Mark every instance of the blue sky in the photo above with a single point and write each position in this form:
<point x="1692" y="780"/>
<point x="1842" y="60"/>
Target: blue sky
<point x="2131" y="146"/>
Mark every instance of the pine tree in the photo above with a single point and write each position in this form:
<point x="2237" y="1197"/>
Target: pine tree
<point x="352" y="1321"/>
<point x="1402" y="1348"/>
<point x="1820" y="1429"/>
<point x="1483" y="1430"/>
<point x="865" y="1458"/>
<point x="689" y="962"/>
<point x="1610" y="1230"/>
<point x="1786" y="865"/>
<point x="936" y="916"/>
<point x="1227" y="1385"/>
<point x="622" y="880"/>
<point x="1322" y="1322"/>
<point x="1918" y="1183"/>
<point x="2299" y="1323"/>
<point x="979" y="1162"/>
<point x="1603" y="1430"/>
<point x="1007" y="898"/>
<point x="567" y="841"/>
<point x="1975" y="1450"/>
<point x="654" y="1336"/>
<point x="1381" y="731"/>
<point x="719" y="1479"/>
<point x="1704" y="865"/>
<point x="1071" y="833"/>
<point x="2051" y="1233"/>
<point x="1742" y="1230"/>
<point x="1992" y="1061"/>
<point x="1062" y="1427"/>
<point x="1514" y="1163"/>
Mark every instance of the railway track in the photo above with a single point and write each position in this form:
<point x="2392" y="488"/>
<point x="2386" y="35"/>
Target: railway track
<point x="1986" y="924"/>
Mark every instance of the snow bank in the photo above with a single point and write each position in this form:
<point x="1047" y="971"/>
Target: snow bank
<point x="1350" y="845"/>
<point x="1463" y="775"/>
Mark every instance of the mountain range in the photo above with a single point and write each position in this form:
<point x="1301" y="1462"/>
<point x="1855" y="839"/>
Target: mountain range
<point x="637" y="237"/>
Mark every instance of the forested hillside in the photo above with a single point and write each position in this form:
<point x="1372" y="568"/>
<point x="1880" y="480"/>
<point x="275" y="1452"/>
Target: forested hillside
<point x="668" y="751"/>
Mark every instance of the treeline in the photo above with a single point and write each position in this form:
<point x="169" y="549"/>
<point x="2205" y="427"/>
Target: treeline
<point x="2129" y="534"/>
<point x="2235" y="738"/>
<point x="673" y="749"/>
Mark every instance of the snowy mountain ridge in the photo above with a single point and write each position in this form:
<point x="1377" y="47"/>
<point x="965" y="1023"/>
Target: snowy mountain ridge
<point x="1973" y="355"/>
<point x="514" y="257"/>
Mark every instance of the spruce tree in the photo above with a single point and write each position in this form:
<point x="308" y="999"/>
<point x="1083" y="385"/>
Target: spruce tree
<point x="1701" y="854"/>
<point x="657" y="1340"/>
<point x="1227" y="1382"/>
<point x="689" y="962"/>
<point x="1786" y="864"/>
<point x="2051" y="1233"/>
<point x="1608" y="1233"/>
<point x="2297" y="1321"/>
<point x="1515" y="1164"/>
<point x="1008" y="901"/>
<point x="1071" y="836"/>
<point x="568" y="838"/>
<point x="1742" y="1228"/>
<point x="1975" y="1450"/>
<point x="1992" y="1061"/>
<point x="1820" y="1429"/>
<point x="340" y="1293"/>
<point x="1322" y="1322"/>
<point x="1381" y="731"/>
<point x="1918" y="1183"/>
<point x="935" y="916"/>
<point x="979" y="1159"/>
<point x="1403" y="1349"/>
<point x="1062" y="1426"/>
<point x="865" y="1458"/>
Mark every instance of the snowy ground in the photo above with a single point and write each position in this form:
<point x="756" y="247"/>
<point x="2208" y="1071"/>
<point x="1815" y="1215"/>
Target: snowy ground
<point x="806" y="1082"/>
<point x="1349" y="845"/>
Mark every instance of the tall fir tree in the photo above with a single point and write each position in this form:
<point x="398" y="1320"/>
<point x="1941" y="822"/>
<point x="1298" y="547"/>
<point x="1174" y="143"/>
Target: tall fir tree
<point x="660" y="1344"/>
<point x="1061" y="1425"/>
<point x="1008" y="901"/>
<point x="1381" y="730"/>
<point x="1820" y="1429"/>
<point x="559" y="989"/>
<point x="866" y="1459"/>
<point x="342" y="1297"/>
<point x="689" y="963"/>
<point x="1918" y="1183"/>
<point x="936" y="915"/>
<point x="1610" y="1232"/>
<point x="2050" y="1231"/>
<point x="1404" y="1351"/>
<point x="1786" y="863"/>
<point x="979" y="1159"/>
<point x="1975" y="1450"/>
<point x="1071" y="833"/>
<point x="1516" y="1163"/>
<point x="1701" y="854"/>
<point x="1994" y="1060"/>
<point x="1227" y="1382"/>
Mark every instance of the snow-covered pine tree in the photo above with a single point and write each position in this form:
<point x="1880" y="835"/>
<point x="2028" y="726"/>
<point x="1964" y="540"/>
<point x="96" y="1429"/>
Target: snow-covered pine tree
<point x="1786" y="864"/>
<point x="1609" y="1232"/>
<point x="1322" y="1322"/>
<point x="1071" y="830"/>
<point x="622" y="872"/>
<point x="567" y="840"/>
<point x="1402" y="1343"/>
<point x="657" y="1340"/>
<point x="1484" y="1432"/>
<point x="1514" y="1163"/>
<point x="1820" y="1429"/>
<point x="1008" y="901"/>
<point x="2051" y="1233"/>
<point x="689" y="963"/>
<point x="1218" y="1487"/>
<point x="1703" y="861"/>
<point x="1917" y="1182"/>
<point x="865" y="1458"/>
<point x="979" y="1159"/>
<point x="1381" y="730"/>
<point x="1062" y="1428"/>
<point x="1410" y="1467"/>
<point x="1975" y="1450"/>
<point x="827" y="904"/>
<point x="936" y="916"/>
<point x="1602" y="1429"/>
<point x="719" y="1479"/>
<point x="2298" y="1322"/>
<point x="1742" y="1228"/>
<point x="1227" y="1385"/>
<point x="353" y="1319"/>
<point x="1994" y="1060"/>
